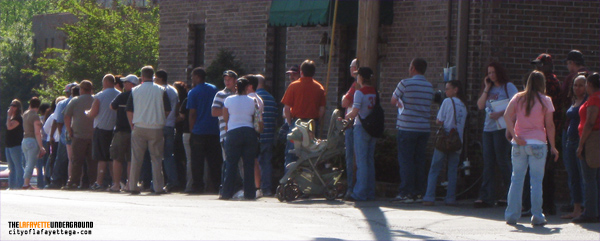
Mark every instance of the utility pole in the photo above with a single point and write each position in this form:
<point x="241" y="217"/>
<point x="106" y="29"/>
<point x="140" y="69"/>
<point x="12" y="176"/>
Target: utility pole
<point x="368" y="33"/>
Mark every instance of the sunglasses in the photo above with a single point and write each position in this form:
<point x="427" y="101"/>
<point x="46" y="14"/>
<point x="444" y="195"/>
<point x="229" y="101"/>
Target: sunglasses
<point x="585" y="74"/>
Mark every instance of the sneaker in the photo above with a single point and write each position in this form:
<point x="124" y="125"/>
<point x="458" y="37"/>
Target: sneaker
<point x="239" y="195"/>
<point x="266" y="193"/>
<point x="419" y="199"/>
<point x="427" y="203"/>
<point x="404" y="199"/>
<point x="28" y="187"/>
<point x="259" y="193"/>
<point x="97" y="187"/>
<point x="70" y="187"/>
<point x="52" y="186"/>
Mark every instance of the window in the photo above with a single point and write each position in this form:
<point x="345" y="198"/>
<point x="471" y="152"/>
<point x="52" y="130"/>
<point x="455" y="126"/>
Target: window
<point x="196" y="45"/>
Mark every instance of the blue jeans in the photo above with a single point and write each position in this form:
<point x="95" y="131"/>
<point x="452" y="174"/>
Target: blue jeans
<point x="240" y="142"/>
<point x="412" y="147"/>
<point x="364" y="146"/>
<point x="41" y="163"/>
<point x="289" y="157"/>
<point x="573" y="167"/>
<point x="61" y="165"/>
<point x="168" y="156"/>
<point x="266" y="168"/>
<point x="534" y="157"/>
<point x="14" y="156"/>
<point x="30" y="151"/>
<point x="437" y="163"/>
<point x="350" y="157"/>
<point x="591" y="178"/>
<point x="496" y="151"/>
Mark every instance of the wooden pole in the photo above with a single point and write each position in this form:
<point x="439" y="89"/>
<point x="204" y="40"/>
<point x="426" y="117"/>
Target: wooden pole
<point x="331" y="46"/>
<point x="368" y="33"/>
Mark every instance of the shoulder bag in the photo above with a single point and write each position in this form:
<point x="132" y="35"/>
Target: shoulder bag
<point x="374" y="123"/>
<point x="448" y="142"/>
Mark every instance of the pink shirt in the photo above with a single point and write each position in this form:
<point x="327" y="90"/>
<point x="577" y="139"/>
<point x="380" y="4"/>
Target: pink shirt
<point x="531" y="127"/>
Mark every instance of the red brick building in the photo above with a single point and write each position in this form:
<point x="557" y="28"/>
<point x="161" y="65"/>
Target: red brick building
<point x="510" y="32"/>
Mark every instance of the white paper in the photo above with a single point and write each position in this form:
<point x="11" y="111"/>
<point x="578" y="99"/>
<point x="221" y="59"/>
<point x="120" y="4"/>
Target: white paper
<point x="400" y="109"/>
<point x="500" y="105"/>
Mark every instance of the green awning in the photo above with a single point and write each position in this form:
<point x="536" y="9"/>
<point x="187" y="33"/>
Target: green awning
<point x="298" y="12"/>
<point x="289" y="13"/>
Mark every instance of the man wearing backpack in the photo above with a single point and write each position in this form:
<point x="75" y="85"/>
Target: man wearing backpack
<point x="414" y="95"/>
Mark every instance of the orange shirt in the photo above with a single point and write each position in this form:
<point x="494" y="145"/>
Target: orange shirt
<point x="304" y="96"/>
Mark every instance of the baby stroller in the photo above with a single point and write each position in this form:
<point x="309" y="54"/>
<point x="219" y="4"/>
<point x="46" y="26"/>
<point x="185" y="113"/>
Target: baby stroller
<point x="319" y="167"/>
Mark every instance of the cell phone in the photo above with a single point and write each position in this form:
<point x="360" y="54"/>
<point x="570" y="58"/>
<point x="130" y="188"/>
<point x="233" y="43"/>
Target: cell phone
<point x="487" y="79"/>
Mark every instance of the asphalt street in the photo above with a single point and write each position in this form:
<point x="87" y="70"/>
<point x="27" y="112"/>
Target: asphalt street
<point x="204" y="217"/>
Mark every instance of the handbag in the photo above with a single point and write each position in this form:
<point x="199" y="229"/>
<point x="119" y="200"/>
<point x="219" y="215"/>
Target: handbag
<point x="257" y="119"/>
<point x="374" y="123"/>
<point x="448" y="142"/>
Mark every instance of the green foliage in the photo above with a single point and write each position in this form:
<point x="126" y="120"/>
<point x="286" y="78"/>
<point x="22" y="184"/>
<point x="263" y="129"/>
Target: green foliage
<point x="51" y="67"/>
<point x="117" y="40"/>
<point x="225" y="60"/>
<point x="16" y="51"/>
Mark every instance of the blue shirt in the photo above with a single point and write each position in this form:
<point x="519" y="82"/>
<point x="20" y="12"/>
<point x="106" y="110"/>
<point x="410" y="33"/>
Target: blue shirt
<point x="269" y="115"/>
<point x="200" y="98"/>
<point x="416" y="94"/>
<point x="60" y="118"/>
<point x="495" y="94"/>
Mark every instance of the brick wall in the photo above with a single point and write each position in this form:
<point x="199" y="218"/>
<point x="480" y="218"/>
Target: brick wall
<point x="515" y="32"/>
<point x="239" y="26"/>
<point x="510" y="32"/>
<point x="413" y="34"/>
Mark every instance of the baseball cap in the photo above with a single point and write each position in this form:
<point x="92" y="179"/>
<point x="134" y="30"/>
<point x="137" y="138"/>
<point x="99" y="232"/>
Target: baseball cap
<point x="542" y="58"/>
<point x="230" y="73"/>
<point x="575" y="56"/>
<point x="68" y="87"/>
<point x="131" y="79"/>
<point x="293" y="69"/>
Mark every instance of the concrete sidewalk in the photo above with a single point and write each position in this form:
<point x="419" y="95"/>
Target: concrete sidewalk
<point x="203" y="217"/>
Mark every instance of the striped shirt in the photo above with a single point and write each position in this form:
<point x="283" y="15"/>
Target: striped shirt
<point x="269" y="115"/>
<point x="218" y="102"/>
<point x="416" y="93"/>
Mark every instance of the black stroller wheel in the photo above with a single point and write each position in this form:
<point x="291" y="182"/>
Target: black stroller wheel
<point x="331" y="193"/>
<point x="341" y="189"/>
<point x="291" y="192"/>
<point x="279" y="193"/>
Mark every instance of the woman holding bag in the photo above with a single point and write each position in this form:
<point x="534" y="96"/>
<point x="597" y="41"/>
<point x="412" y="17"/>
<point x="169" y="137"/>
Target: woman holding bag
<point x="529" y="120"/>
<point x="496" y="149"/>
<point x="452" y="115"/>
<point x="587" y="151"/>
<point x="364" y="144"/>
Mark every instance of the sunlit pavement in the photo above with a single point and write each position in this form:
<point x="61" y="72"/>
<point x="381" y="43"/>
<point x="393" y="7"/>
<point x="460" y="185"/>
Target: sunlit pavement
<point x="204" y="217"/>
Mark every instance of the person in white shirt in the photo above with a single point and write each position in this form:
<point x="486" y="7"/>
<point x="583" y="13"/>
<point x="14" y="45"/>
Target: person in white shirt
<point x="241" y="140"/>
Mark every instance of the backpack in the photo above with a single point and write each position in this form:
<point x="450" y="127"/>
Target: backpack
<point x="374" y="122"/>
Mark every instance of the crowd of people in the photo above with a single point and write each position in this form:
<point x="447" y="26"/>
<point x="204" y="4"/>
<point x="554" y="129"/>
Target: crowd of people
<point x="147" y="126"/>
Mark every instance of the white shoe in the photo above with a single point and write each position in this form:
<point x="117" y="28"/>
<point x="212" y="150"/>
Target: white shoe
<point x="238" y="195"/>
<point x="259" y="193"/>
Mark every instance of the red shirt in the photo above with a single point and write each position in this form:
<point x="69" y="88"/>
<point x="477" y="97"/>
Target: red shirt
<point x="305" y="96"/>
<point x="593" y="100"/>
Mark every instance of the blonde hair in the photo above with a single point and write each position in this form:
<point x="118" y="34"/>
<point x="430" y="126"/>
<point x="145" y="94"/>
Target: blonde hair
<point x="536" y="84"/>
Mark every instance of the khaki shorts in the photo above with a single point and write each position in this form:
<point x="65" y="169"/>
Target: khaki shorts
<point x="120" y="148"/>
